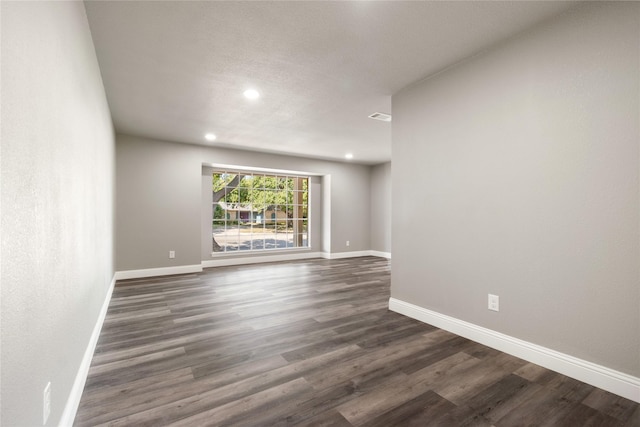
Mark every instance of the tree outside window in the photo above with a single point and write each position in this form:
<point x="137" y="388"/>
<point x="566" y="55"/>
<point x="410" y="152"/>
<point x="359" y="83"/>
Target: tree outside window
<point x="259" y="211"/>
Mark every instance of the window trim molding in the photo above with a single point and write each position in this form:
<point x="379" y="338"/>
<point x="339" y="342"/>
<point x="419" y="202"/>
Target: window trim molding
<point x="275" y="252"/>
<point x="252" y="169"/>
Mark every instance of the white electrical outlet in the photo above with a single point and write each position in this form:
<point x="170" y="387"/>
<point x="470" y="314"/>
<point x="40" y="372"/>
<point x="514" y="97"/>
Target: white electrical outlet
<point x="494" y="302"/>
<point x="172" y="254"/>
<point x="347" y="243"/>
<point x="46" y="403"/>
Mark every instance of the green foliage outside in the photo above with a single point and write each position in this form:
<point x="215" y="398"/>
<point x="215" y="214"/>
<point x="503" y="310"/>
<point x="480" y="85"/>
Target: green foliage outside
<point x="259" y="193"/>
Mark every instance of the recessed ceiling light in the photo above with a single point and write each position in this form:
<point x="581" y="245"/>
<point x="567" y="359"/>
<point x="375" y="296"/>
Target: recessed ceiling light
<point x="251" y="94"/>
<point x="210" y="137"/>
<point x="348" y="156"/>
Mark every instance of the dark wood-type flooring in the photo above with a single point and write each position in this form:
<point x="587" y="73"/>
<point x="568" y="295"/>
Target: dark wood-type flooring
<point x="311" y="343"/>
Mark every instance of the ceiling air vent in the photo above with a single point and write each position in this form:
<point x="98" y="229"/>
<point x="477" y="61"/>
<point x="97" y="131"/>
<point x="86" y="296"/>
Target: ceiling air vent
<point x="381" y="116"/>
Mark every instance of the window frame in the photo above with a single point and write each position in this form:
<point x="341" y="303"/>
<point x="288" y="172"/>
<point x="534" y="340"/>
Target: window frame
<point x="288" y="188"/>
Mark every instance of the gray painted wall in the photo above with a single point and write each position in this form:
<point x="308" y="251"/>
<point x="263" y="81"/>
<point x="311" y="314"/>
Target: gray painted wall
<point x="57" y="165"/>
<point x="381" y="207"/>
<point x="159" y="188"/>
<point x="528" y="165"/>
<point x="158" y="192"/>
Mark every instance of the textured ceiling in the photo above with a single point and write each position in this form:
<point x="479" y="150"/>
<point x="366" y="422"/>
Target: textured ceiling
<point x="176" y="70"/>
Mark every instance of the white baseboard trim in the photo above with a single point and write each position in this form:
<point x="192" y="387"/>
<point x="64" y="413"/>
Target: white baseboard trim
<point x="599" y="376"/>
<point x="73" y="401"/>
<point x="239" y="260"/>
<point x="248" y="259"/>
<point x="354" y="254"/>
<point x="161" y="271"/>
<point x="340" y="255"/>
<point x="380" y="254"/>
<point x="222" y="261"/>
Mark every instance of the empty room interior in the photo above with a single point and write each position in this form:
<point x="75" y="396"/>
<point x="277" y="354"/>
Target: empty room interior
<point x="354" y="213"/>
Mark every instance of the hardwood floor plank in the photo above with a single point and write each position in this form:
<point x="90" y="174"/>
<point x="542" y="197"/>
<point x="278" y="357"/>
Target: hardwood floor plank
<point x="370" y="361"/>
<point x="329" y="398"/>
<point x="423" y="410"/>
<point x="435" y="352"/>
<point x="141" y="350"/>
<point x="367" y="407"/>
<point x="356" y="308"/>
<point x="467" y="384"/>
<point x="502" y="397"/>
<point x="610" y="404"/>
<point x="536" y="374"/>
<point x="120" y="406"/>
<point x="584" y="416"/>
<point x="310" y="343"/>
<point x="98" y="395"/>
<point x="253" y="406"/>
<point x="132" y="361"/>
<point x="166" y="331"/>
<point x="634" y="418"/>
<point x="549" y="405"/>
<point x="200" y="395"/>
<point x="238" y="372"/>
<point x="325" y="419"/>
<point x="465" y="416"/>
<point x="132" y="410"/>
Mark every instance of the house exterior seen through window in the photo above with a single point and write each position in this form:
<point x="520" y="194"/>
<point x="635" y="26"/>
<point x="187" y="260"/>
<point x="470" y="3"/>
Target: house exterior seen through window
<point x="255" y="211"/>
